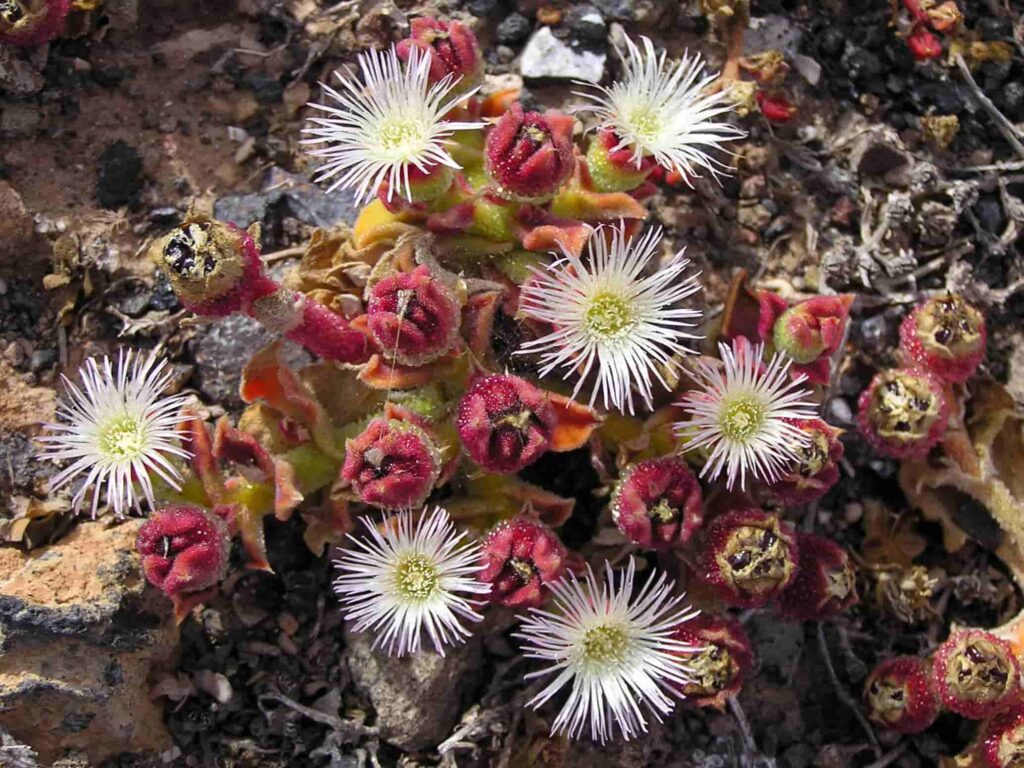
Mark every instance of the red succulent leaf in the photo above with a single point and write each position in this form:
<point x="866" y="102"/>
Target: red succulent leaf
<point x="657" y="503"/>
<point x="813" y="328"/>
<point x="924" y="46"/>
<point x="195" y="438"/>
<point x="817" y="468"/>
<point x="750" y="313"/>
<point x="478" y="321"/>
<point x="826" y="583"/>
<point x="899" y="695"/>
<point x="776" y="107"/>
<point x="521" y="558"/>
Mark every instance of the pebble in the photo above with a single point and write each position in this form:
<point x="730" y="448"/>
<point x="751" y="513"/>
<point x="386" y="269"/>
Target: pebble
<point x="485" y="8"/>
<point x="513" y="29"/>
<point x="587" y="24"/>
<point x="873" y="333"/>
<point x="545" y="56"/>
<point x="42" y="358"/>
<point x="620" y="10"/>
<point x="839" y="411"/>
<point x="119" y="178"/>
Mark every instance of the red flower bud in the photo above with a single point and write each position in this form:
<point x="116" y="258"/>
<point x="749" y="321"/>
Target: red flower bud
<point x="453" y="50"/>
<point x="521" y="558"/>
<point x="613" y="169"/>
<point x="903" y="413"/>
<point x="775" y="107"/>
<point x="657" y="503"/>
<point x="393" y="464"/>
<point x="944" y="335"/>
<point x="812" y="329"/>
<point x="529" y="155"/>
<point x="25" y="23"/>
<point x="825" y="584"/>
<point x="924" y="46"/>
<point x="817" y="468"/>
<point x="749" y="557"/>
<point x="899" y="695"/>
<point x="413" y="316"/>
<point x="184" y="553"/>
<point x="717" y="671"/>
<point x="750" y="313"/>
<point x="1002" y="740"/>
<point x="976" y="674"/>
<point x="505" y="423"/>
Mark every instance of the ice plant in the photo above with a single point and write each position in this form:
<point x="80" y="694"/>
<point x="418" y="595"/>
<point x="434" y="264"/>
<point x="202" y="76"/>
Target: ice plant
<point x="1002" y="740"/>
<point x="903" y="413"/>
<point x="392" y="464"/>
<point x="812" y="331"/>
<point x="716" y="670"/>
<point x="900" y="696"/>
<point x="117" y="431"/>
<point x="749" y="557"/>
<point x="946" y="336"/>
<point x="825" y="584"/>
<point x="528" y="155"/>
<point x="657" y="503"/>
<point x="817" y="466"/>
<point x="742" y="413"/>
<point x="388" y="128"/>
<point x="31" y="22"/>
<point x="664" y="110"/>
<point x="610" y="320"/>
<point x="617" y="650"/>
<point x="924" y="46"/>
<point x="976" y="673"/>
<point x="522" y="558"/>
<point x="411" y="574"/>
<point x="452" y="49"/>
<point x="184" y="553"/>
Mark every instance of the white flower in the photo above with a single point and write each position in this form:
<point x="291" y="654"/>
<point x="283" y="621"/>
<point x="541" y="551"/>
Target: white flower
<point x="407" y="577"/>
<point x="617" y="650"/>
<point x="118" y="431"/>
<point x="740" y="414"/>
<point x="382" y="129"/>
<point x="662" y="109"/>
<point x="607" y="317"/>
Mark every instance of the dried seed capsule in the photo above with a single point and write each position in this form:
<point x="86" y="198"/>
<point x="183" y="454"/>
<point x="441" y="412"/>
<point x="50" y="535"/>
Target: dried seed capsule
<point x="718" y="670"/>
<point x="657" y="503"/>
<point x="825" y="584"/>
<point x="521" y="558"/>
<point x="529" y="155"/>
<point x="25" y="23"/>
<point x="903" y="413"/>
<point x="976" y="674"/>
<point x="817" y="467"/>
<point x="1002" y="740"/>
<point x="946" y="336"/>
<point x="393" y="464"/>
<point x="899" y="695"/>
<point x="749" y="557"/>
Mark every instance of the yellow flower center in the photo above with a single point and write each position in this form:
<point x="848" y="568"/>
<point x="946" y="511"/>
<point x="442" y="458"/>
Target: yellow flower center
<point x="645" y="122"/>
<point x="609" y="316"/>
<point x="605" y="645"/>
<point x="416" y="578"/>
<point x="742" y="417"/>
<point x="399" y="134"/>
<point x="123" y="437"/>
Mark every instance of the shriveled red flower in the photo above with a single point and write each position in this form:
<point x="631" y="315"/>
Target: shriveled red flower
<point x="946" y="336"/>
<point x="899" y="695"/>
<point x="826" y="583"/>
<point x="976" y="673"/>
<point x="25" y="23"/>
<point x="811" y="331"/>
<point x="505" y="423"/>
<point x="749" y="557"/>
<point x="903" y="413"/>
<point x="453" y="50"/>
<point x="184" y="554"/>
<point x="529" y="155"/>
<point x="657" y="503"/>
<point x="1002" y="740"/>
<point x="413" y="316"/>
<point x="392" y="464"/>
<point x="924" y="46"/>
<point x="817" y="468"/>
<point x="716" y="671"/>
<point x="775" y="107"/>
<point x="521" y="558"/>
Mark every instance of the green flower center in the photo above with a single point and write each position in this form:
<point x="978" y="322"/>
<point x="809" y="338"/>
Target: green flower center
<point x="742" y="417"/>
<point x="399" y="134"/>
<point x="605" y="645"/>
<point x="609" y="316"/>
<point x="123" y="437"/>
<point x="645" y="122"/>
<point x="416" y="578"/>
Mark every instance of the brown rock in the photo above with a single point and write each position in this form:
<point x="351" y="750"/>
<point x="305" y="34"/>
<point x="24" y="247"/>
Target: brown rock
<point x="17" y="231"/>
<point x="79" y="638"/>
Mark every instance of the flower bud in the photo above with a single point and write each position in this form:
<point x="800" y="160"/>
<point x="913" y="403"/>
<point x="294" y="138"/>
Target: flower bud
<point x="717" y="671"/>
<point x="749" y="557"/>
<point x="903" y="413"/>
<point x="413" y="316"/>
<point x="25" y="23"/>
<point x="812" y="329"/>
<point x="392" y="464"/>
<point x="976" y="674"/>
<point x="184" y="553"/>
<point x="1002" y="740"/>
<point x="657" y="503"/>
<point x="612" y="168"/>
<point x="899" y="695"/>
<point x="826" y="583"/>
<point x="529" y="155"/>
<point x="521" y="558"/>
<point x="453" y="50"/>
<point x="924" y="46"/>
<point x="775" y="107"/>
<point x="946" y="336"/>
<point x="505" y="423"/>
<point x="817" y="467"/>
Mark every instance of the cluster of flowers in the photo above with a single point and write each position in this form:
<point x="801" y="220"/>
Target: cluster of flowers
<point x="974" y="674"/>
<point x="405" y="399"/>
<point x="926" y="18"/>
<point x="904" y="411"/>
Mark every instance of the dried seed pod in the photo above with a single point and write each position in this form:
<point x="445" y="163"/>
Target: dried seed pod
<point x="453" y="50"/>
<point x="903" y="413"/>
<point x="529" y="155"/>
<point x="26" y="23"/>
<point x="749" y="557"/>
<point x="505" y="423"/>
<point x="817" y="467"/>
<point x="657" y="503"/>
<point x="1002" y="740"/>
<point x="899" y="695"/>
<point x="393" y="464"/>
<point x="521" y="558"/>
<point x="976" y="674"/>
<point x="825" y="584"/>
<point x="946" y="336"/>
<point x="716" y="671"/>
